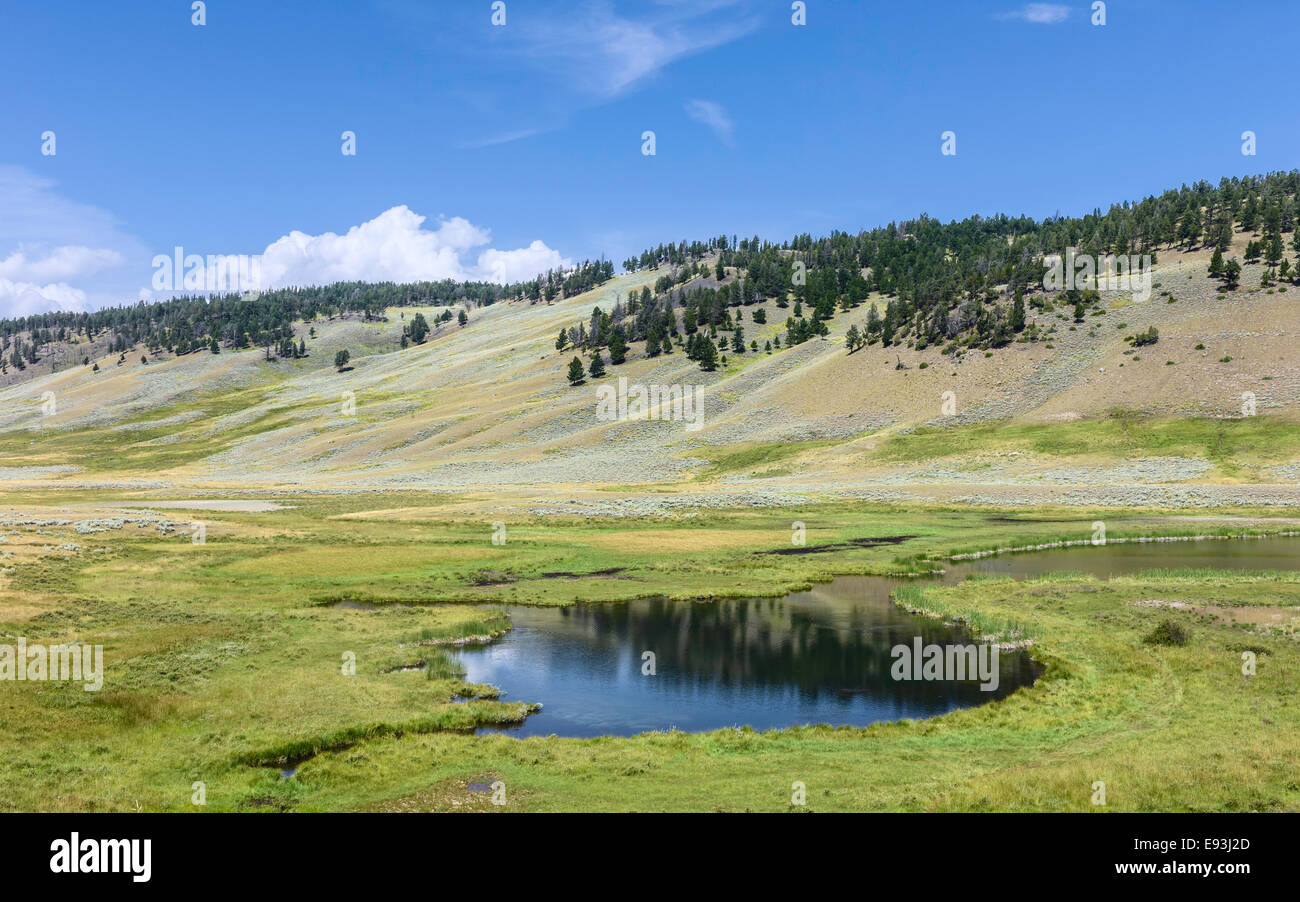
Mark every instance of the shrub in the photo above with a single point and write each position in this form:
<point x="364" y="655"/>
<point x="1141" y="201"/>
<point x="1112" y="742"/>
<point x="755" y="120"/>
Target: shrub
<point x="1149" y="337"/>
<point x="1169" y="632"/>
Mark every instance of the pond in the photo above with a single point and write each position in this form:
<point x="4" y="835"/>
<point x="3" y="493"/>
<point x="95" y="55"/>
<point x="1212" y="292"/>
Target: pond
<point x="820" y="656"/>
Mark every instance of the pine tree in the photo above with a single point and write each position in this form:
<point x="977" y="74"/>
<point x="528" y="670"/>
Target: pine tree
<point x="1017" y="319"/>
<point x="707" y="355"/>
<point x="1232" y="273"/>
<point x="852" y="340"/>
<point x="1250" y="213"/>
<point x="597" y="367"/>
<point x="617" y="346"/>
<point x="1216" y="262"/>
<point x="561" y="340"/>
<point x="1274" y="253"/>
<point x="575" y="371"/>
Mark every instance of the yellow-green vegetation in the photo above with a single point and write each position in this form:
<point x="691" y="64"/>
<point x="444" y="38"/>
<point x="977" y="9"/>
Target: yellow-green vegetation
<point x="1236" y="447"/>
<point x="756" y="458"/>
<point x="226" y="662"/>
<point x="154" y="439"/>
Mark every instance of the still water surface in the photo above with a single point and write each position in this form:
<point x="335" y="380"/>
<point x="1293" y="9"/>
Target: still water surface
<point x="821" y="656"/>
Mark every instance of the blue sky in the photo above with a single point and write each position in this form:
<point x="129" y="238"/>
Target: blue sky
<point x="524" y="140"/>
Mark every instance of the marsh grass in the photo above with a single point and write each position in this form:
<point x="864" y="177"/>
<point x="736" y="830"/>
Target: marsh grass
<point x="1200" y="574"/>
<point x="492" y="623"/>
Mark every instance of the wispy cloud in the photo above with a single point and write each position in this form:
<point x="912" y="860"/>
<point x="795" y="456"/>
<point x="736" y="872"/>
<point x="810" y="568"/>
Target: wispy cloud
<point x="608" y="53"/>
<point x="714" y="116"/>
<point x="504" y="138"/>
<point x="1040" y="13"/>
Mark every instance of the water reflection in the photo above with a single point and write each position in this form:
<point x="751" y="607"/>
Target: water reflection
<point x="821" y="656"/>
<point x="813" y="657"/>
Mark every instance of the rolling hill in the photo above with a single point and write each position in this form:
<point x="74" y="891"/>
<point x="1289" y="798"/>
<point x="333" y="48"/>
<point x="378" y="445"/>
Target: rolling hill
<point x="1080" y="415"/>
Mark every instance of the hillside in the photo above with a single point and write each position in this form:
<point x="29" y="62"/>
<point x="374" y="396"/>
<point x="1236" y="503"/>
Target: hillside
<point x="486" y="407"/>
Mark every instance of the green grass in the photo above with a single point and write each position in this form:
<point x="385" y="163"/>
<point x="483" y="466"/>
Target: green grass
<point x="750" y="457"/>
<point x="138" y="449"/>
<point x="223" y="663"/>
<point x="1207" y="574"/>
<point x="1233" y="445"/>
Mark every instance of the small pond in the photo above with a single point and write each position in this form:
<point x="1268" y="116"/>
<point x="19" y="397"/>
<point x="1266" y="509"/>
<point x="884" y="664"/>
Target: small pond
<point x="821" y="656"/>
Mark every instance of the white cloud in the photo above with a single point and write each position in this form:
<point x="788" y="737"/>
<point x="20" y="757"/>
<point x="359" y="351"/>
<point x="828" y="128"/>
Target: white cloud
<point x="28" y="298"/>
<point x="62" y="263"/>
<point x="518" y="265"/>
<point x="395" y="246"/>
<point x="1040" y="13"/>
<point x="56" y="254"/>
<point x="49" y="244"/>
<point x="714" y="116"/>
<point x="32" y="282"/>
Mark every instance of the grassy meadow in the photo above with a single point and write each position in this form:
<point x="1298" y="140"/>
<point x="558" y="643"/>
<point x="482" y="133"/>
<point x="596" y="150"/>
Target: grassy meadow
<point x="225" y="664"/>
